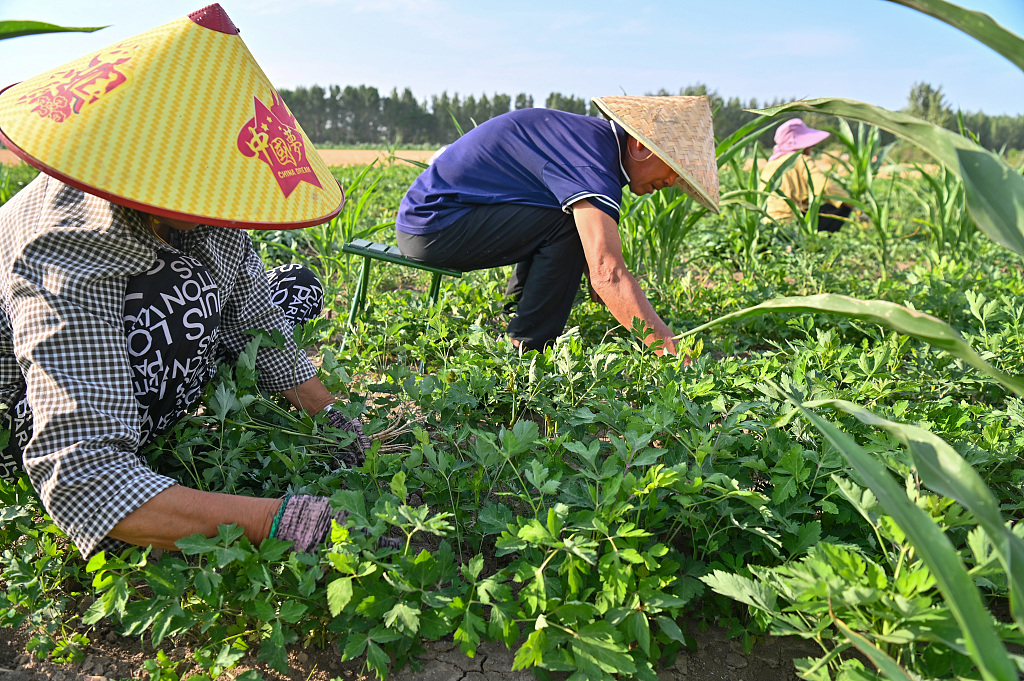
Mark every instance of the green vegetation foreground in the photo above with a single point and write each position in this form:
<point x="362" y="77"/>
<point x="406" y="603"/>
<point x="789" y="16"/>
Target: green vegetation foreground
<point x="574" y="504"/>
<point x="576" y="497"/>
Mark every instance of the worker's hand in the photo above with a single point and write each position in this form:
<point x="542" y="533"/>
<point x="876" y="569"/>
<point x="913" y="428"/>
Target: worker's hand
<point x="354" y="455"/>
<point x="306" y="520"/>
<point x="672" y="349"/>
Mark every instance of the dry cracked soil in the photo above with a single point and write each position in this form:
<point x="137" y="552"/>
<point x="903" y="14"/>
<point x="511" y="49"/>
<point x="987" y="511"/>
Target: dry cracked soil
<point x="110" y="657"/>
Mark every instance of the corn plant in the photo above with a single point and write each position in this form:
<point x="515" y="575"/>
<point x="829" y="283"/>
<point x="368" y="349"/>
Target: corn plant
<point x="750" y="226"/>
<point x="906" y="321"/>
<point x="656" y="226"/>
<point x="320" y="247"/>
<point x="995" y="200"/>
<point x="865" y="157"/>
<point x="349" y="223"/>
<point x="654" y="229"/>
<point x="941" y="197"/>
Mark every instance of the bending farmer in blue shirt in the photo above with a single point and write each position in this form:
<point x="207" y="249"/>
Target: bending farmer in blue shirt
<point x="540" y="189"/>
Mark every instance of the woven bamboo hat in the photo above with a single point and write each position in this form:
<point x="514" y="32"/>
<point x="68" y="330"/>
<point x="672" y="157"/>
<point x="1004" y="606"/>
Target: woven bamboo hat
<point x="179" y="121"/>
<point x="679" y="131"/>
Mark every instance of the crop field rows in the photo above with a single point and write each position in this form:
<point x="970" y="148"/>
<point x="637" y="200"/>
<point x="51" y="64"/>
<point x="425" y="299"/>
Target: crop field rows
<point x="833" y="459"/>
<point x="577" y="504"/>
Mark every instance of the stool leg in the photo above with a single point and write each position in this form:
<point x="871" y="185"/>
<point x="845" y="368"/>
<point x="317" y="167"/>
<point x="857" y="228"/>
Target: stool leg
<point x="364" y="283"/>
<point x="358" y="299"/>
<point x="435" y="288"/>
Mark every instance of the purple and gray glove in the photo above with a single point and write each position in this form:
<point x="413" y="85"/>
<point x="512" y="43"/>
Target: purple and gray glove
<point x="306" y="520"/>
<point x="354" y="455"/>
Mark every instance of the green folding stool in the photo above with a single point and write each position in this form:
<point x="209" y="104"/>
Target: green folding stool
<point x="369" y="251"/>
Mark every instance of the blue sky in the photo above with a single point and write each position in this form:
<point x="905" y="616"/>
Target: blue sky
<point x="871" y="50"/>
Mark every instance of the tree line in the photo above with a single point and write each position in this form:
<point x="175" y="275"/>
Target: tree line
<point x="360" y="115"/>
<point x="355" y="115"/>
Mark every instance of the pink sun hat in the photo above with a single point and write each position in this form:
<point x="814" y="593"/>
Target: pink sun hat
<point x="794" y="135"/>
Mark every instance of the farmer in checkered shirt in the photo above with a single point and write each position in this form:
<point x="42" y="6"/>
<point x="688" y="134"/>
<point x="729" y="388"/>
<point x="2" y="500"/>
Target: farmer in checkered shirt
<point x="124" y="278"/>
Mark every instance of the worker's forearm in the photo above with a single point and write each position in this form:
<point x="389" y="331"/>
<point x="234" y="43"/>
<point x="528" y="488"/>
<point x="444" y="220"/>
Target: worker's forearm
<point x="610" y="279"/>
<point x="180" y="511"/>
<point x="310" y="396"/>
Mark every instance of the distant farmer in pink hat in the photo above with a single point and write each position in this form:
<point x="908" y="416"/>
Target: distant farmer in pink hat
<point x="804" y="179"/>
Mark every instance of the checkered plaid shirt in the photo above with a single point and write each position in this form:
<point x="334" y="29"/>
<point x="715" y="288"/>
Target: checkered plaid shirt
<point x="65" y="260"/>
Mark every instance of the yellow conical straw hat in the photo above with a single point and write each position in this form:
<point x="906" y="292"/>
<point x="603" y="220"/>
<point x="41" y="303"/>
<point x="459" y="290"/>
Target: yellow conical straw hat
<point x="679" y="131"/>
<point x="179" y="121"/>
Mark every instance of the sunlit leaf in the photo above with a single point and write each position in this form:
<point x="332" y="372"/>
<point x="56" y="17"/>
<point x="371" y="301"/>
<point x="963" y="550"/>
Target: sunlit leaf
<point x="975" y="24"/>
<point x="995" y="197"/>
<point x="903" y="320"/>
<point x="934" y="549"/>
<point x="14" y="29"/>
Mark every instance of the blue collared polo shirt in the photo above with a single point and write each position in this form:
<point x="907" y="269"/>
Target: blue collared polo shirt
<point x="533" y="157"/>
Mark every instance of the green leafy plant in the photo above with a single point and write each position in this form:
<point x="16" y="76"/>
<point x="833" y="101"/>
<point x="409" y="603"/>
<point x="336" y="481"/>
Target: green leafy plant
<point x="951" y="229"/>
<point x="995" y="200"/>
<point x="573" y="462"/>
<point x="576" y="504"/>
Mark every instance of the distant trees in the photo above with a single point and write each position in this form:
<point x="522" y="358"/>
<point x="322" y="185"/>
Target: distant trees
<point x="996" y="132"/>
<point x="928" y="103"/>
<point x="361" y="115"/>
<point x="570" y="103"/>
<point x="358" y="115"/>
<point x="993" y="132"/>
<point x="524" y="101"/>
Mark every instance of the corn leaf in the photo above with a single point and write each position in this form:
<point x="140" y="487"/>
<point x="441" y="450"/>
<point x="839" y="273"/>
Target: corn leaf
<point x="995" y="197"/>
<point x="888" y="666"/>
<point x="740" y="140"/>
<point x="945" y="472"/>
<point x="998" y="209"/>
<point x="937" y="141"/>
<point x="909" y="322"/>
<point x="14" y="29"/>
<point x="975" y="24"/>
<point x="958" y="589"/>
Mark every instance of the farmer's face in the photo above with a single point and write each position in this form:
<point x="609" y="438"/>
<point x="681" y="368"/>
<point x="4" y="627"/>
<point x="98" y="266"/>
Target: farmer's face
<point x="179" y="224"/>
<point x="162" y="226"/>
<point x="649" y="173"/>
